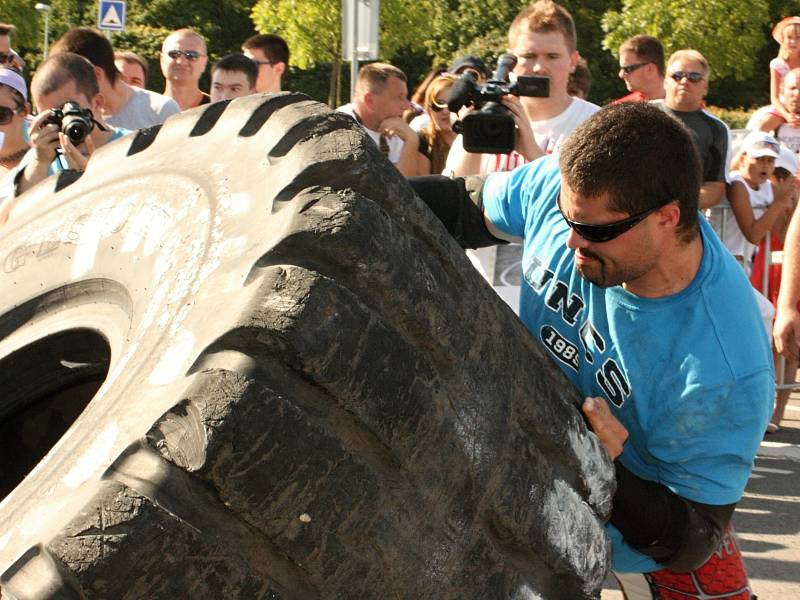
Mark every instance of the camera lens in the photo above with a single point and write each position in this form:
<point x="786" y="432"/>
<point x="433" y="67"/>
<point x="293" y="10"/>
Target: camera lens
<point x="76" y="130"/>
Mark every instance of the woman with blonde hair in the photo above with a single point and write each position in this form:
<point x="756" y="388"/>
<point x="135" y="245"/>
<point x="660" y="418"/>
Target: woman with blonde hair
<point x="437" y="136"/>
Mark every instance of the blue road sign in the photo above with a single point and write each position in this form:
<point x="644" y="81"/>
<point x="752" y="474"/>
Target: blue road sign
<point x="111" y="15"/>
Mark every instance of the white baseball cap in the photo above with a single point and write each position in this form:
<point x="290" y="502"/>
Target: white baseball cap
<point x="760" y="143"/>
<point x="787" y="160"/>
<point x="14" y="80"/>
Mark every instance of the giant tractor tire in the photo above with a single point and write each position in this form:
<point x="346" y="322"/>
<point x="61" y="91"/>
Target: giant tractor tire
<point x="240" y="359"/>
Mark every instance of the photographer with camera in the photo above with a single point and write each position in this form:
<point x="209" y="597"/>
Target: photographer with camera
<point x="69" y="126"/>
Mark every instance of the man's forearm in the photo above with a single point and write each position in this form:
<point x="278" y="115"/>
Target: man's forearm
<point x="676" y="532"/>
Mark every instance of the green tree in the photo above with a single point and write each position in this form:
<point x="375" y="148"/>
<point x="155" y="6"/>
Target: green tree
<point x="729" y="33"/>
<point x="21" y="14"/>
<point x="312" y="28"/>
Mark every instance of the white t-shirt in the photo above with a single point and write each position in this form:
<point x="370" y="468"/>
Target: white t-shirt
<point x="144" y="109"/>
<point x="501" y="265"/>
<point x="395" y="143"/>
<point x="732" y="236"/>
<point x="549" y="135"/>
<point x="790" y="137"/>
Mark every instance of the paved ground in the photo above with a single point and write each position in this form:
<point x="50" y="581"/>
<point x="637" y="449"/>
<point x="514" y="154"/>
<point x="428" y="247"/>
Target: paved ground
<point x="767" y="520"/>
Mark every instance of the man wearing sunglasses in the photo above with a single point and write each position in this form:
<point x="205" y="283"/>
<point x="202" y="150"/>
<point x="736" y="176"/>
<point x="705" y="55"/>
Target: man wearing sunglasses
<point x="8" y="57"/>
<point x="641" y="67"/>
<point x="644" y="310"/>
<point x="271" y="53"/>
<point x="183" y="61"/>
<point x="123" y="105"/>
<point x="686" y="86"/>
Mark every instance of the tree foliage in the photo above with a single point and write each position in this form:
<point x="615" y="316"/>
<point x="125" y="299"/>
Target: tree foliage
<point x="27" y="21"/>
<point x="729" y="33"/>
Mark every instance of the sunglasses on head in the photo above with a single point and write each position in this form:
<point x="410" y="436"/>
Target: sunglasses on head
<point x="692" y="76"/>
<point x="6" y="114"/>
<point x="190" y="55"/>
<point x="438" y="104"/>
<point x="607" y="231"/>
<point x="628" y="69"/>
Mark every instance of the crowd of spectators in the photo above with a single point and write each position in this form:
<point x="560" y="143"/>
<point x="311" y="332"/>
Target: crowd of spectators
<point x="419" y="135"/>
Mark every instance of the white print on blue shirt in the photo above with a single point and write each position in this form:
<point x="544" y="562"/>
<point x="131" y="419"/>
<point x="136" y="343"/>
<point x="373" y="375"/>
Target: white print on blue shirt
<point x="609" y="375"/>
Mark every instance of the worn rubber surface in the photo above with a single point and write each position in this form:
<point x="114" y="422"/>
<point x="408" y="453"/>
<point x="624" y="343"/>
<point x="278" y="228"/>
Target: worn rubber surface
<point x="310" y="392"/>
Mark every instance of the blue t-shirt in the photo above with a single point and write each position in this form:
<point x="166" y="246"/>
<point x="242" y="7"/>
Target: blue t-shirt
<point x="689" y="375"/>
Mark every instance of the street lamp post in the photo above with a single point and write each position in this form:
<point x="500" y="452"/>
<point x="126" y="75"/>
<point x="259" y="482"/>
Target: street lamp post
<point x="45" y="10"/>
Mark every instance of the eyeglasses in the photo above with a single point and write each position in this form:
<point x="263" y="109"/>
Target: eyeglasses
<point x="692" y="76"/>
<point x="190" y="55"/>
<point x="265" y="62"/>
<point x="438" y="105"/>
<point x="608" y="231"/>
<point x="6" y="114"/>
<point x="628" y="69"/>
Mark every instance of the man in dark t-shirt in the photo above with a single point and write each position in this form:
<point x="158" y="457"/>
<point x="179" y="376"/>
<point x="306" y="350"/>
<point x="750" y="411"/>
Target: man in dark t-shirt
<point x="686" y="84"/>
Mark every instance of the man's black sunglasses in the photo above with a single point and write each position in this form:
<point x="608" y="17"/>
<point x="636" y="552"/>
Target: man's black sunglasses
<point x="692" y="76"/>
<point x="607" y="231"/>
<point x="6" y="114"/>
<point x="628" y="69"/>
<point x="191" y="55"/>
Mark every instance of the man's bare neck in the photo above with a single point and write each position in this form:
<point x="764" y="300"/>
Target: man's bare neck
<point x="541" y="109"/>
<point x="187" y="96"/>
<point x="674" y="272"/>
<point x="116" y="97"/>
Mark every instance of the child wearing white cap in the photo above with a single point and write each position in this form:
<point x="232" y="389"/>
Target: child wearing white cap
<point x="755" y="202"/>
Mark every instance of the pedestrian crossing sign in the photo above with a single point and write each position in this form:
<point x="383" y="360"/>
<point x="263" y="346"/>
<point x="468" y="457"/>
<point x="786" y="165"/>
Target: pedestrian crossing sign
<point x="111" y="15"/>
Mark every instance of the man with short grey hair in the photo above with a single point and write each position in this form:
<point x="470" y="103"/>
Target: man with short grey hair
<point x="380" y="99"/>
<point x="183" y="60"/>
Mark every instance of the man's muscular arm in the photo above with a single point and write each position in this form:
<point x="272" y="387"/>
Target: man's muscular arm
<point x="654" y="520"/>
<point x="458" y="204"/>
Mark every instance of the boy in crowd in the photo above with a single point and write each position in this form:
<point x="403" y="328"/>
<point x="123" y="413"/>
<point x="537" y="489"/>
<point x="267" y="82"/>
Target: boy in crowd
<point x="233" y="76"/>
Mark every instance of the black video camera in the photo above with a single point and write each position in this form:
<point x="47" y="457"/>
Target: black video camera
<point x="491" y="128"/>
<point x="75" y="122"/>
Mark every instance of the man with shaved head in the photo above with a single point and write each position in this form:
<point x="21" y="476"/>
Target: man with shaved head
<point x="183" y="60"/>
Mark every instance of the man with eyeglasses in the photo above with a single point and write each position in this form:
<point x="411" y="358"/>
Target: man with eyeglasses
<point x="183" y="61"/>
<point x="8" y="56"/>
<point x="644" y="310"/>
<point x="641" y="67"/>
<point x="123" y="105"/>
<point x="686" y="86"/>
<point x="271" y="53"/>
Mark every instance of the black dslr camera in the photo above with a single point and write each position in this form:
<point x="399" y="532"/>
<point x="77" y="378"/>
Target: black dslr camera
<point x="491" y="128"/>
<point x="75" y="122"/>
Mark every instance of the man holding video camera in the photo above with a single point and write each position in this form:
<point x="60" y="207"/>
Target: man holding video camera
<point x="69" y="126"/>
<point x="543" y="39"/>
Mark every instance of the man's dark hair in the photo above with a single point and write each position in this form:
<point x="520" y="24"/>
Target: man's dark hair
<point x="647" y="49"/>
<point x="133" y="58"/>
<point x="91" y="45"/>
<point x="6" y="28"/>
<point x="59" y="69"/>
<point x="238" y="62"/>
<point x="640" y="156"/>
<point x="273" y="46"/>
<point x="580" y="80"/>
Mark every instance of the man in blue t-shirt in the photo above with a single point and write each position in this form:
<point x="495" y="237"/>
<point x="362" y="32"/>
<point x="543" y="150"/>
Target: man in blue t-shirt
<point x="647" y="314"/>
